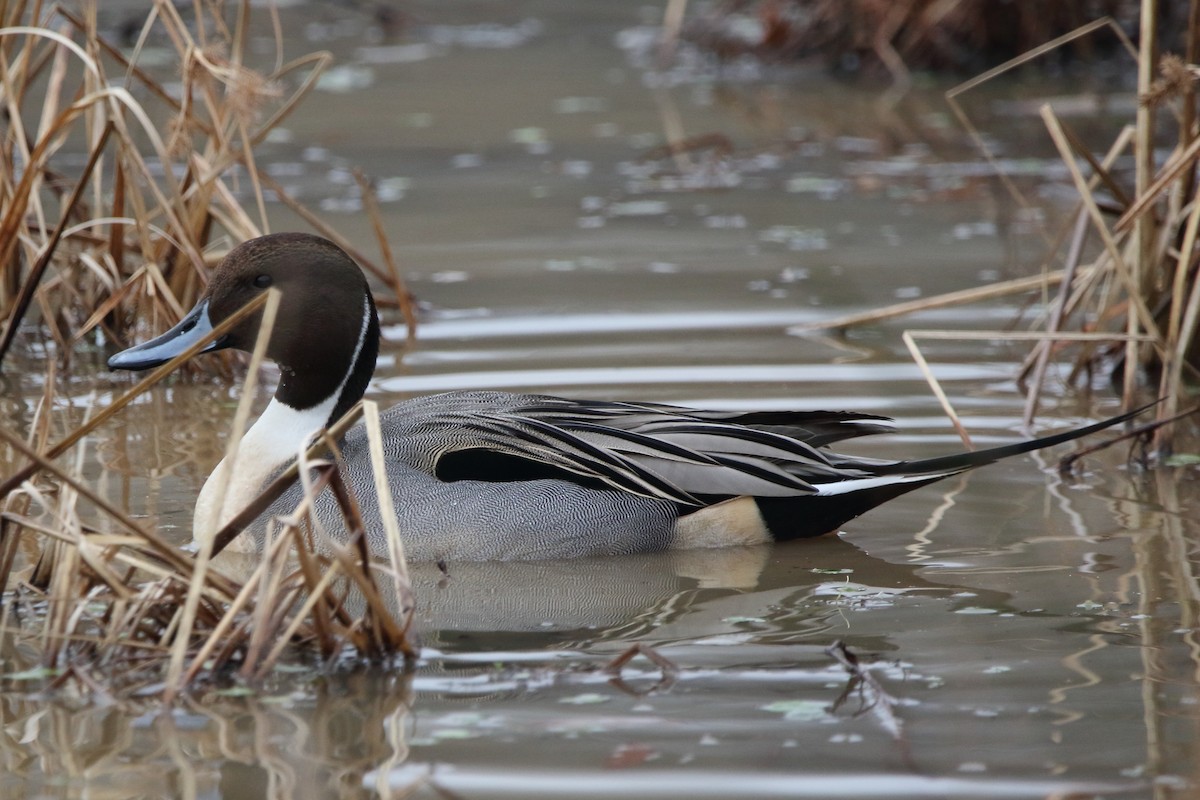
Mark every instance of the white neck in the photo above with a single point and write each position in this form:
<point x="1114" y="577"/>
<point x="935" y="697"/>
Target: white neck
<point x="275" y="438"/>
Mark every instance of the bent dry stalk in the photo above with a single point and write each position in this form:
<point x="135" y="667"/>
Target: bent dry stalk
<point x="131" y="242"/>
<point x="141" y="609"/>
<point x="1135" y="309"/>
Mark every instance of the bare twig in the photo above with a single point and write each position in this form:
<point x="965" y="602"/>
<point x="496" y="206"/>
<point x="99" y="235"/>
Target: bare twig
<point x="668" y="670"/>
<point x="873" y="697"/>
<point x="1067" y="463"/>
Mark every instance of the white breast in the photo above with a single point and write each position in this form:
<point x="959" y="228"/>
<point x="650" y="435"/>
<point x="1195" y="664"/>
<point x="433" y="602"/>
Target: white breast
<point x="276" y="437"/>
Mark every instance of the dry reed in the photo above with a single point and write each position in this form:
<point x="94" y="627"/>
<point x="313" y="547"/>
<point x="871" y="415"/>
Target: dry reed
<point x="1141" y="289"/>
<point x="1134" y="310"/>
<point x="126" y="241"/>
<point x="892" y="36"/>
<point x="158" y="199"/>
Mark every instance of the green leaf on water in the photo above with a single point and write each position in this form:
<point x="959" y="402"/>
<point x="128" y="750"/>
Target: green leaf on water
<point x="799" y="710"/>
<point x="1183" y="460"/>
<point x="454" y="733"/>
<point x="585" y="699"/>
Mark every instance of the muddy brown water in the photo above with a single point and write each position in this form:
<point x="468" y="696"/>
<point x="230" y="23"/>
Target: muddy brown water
<point x="1032" y="635"/>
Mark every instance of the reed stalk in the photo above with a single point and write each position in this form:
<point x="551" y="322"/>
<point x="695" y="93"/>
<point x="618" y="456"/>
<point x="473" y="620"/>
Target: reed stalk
<point x="120" y="249"/>
<point x="1133" y="310"/>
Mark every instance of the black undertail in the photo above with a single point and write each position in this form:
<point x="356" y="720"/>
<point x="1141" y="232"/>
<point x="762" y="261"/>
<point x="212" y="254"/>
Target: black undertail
<point x="808" y="516"/>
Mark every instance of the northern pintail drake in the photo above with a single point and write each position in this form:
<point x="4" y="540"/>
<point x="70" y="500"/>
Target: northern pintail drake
<point x="492" y="475"/>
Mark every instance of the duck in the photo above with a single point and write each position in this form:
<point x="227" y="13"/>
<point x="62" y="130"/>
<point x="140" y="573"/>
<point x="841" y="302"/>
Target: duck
<point x="486" y="475"/>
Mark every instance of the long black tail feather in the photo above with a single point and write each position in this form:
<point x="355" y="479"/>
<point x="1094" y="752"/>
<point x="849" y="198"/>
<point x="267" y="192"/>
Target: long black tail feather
<point x="813" y="515"/>
<point x="977" y="458"/>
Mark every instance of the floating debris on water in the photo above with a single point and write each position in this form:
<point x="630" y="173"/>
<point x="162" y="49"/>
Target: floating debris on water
<point x="340" y="176"/>
<point x="527" y="135"/>
<point x="725" y="221"/>
<point x="397" y="53"/>
<point x="580" y="105"/>
<point x="487" y="35"/>
<point x="639" y="208"/>
<point x="389" y="190"/>
<point x="971" y="230"/>
<point x="346" y="78"/>
<point x="823" y="188"/>
<point x="799" y="710"/>
<point x="342" y="205"/>
<point x="450" y="276"/>
<point x="575" y="168"/>
<point x="796" y="238"/>
<point x="466" y="160"/>
<point x="585" y="699"/>
<point x="329" y="31"/>
<point x="286" y="169"/>
<point x="857" y="144"/>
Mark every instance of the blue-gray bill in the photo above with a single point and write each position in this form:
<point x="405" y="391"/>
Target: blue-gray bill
<point x="162" y="349"/>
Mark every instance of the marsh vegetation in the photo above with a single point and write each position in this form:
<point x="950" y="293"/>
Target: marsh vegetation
<point x="1042" y="237"/>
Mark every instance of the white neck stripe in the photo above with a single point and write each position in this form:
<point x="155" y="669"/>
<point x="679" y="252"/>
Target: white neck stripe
<point x="362" y="339"/>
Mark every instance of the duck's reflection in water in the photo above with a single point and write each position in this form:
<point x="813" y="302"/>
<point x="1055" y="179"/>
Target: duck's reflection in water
<point x="669" y="596"/>
<point x="487" y="628"/>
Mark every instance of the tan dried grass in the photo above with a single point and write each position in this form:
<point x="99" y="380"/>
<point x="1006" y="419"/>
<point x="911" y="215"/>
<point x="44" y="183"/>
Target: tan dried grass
<point x="115" y="607"/>
<point x="1137" y="304"/>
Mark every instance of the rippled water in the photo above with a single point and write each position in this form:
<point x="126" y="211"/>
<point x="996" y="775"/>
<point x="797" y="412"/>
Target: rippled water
<point x="1030" y="635"/>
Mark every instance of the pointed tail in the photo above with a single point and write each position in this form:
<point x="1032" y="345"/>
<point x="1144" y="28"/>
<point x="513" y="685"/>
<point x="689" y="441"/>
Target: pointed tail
<point x="946" y="465"/>
<point x="838" y="502"/>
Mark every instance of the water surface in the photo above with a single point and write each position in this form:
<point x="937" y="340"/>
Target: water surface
<point x="1033" y="635"/>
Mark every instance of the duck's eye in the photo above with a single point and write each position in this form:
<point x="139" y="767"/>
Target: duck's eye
<point x="262" y="281"/>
